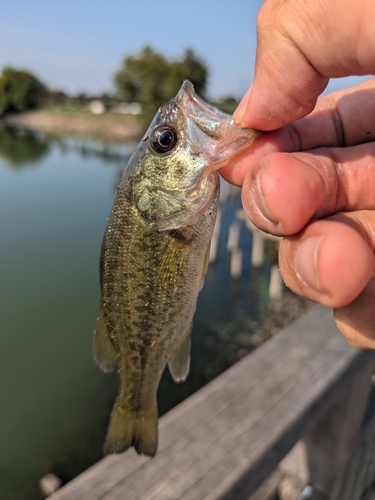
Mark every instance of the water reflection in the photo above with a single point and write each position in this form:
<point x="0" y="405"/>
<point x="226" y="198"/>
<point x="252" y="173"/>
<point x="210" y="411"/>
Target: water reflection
<point x="55" y="402"/>
<point x="20" y="147"/>
<point x="110" y="153"/>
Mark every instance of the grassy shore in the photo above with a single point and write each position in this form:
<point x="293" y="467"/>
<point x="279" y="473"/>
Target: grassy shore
<point x="109" y="126"/>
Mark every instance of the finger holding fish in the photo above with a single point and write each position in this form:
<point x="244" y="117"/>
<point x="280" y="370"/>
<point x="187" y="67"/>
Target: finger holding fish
<point x="312" y="182"/>
<point x="313" y="167"/>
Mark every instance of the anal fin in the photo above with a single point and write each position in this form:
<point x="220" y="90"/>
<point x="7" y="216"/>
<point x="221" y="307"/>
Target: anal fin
<point x="179" y="364"/>
<point x="104" y="352"/>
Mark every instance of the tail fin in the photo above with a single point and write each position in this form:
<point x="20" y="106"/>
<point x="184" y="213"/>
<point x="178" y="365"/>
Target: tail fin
<point x="132" y="428"/>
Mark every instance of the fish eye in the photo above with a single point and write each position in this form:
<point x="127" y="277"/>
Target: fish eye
<point x="163" y="139"/>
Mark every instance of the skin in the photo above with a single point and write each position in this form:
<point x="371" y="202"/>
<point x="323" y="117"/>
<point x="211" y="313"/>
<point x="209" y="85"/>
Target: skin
<point x="313" y="180"/>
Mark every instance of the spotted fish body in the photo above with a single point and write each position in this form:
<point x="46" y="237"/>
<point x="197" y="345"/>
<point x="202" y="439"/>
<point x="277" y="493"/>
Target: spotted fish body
<point x="154" y="256"/>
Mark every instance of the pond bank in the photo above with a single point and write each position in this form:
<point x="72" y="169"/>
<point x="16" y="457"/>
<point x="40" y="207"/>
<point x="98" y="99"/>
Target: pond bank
<point x="108" y="126"/>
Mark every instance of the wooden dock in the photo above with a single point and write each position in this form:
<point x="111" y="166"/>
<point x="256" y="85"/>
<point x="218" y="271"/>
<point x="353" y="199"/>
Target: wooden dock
<point x="295" y="405"/>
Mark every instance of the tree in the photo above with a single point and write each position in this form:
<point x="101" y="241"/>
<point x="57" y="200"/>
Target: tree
<point x="226" y="104"/>
<point x="19" y="90"/>
<point x="55" y="98"/>
<point x="152" y="80"/>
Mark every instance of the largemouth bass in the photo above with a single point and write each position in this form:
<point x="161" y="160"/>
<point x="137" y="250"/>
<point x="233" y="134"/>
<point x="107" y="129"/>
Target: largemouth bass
<point x="154" y="257"/>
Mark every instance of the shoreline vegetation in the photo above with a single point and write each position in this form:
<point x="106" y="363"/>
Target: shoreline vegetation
<point x="109" y="127"/>
<point x="143" y="82"/>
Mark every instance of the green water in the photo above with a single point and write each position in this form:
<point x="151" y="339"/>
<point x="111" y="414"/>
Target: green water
<point x="55" y="196"/>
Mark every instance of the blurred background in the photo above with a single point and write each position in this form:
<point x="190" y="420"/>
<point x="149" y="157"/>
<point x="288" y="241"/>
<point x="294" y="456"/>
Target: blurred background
<point x="79" y="83"/>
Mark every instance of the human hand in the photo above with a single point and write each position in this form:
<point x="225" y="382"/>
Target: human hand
<point x="321" y="197"/>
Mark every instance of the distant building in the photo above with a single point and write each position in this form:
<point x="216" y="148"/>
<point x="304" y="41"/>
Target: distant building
<point x="97" y="107"/>
<point x="128" y="108"/>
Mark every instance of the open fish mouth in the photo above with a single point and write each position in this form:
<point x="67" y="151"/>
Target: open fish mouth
<point x="227" y="139"/>
<point x="209" y="119"/>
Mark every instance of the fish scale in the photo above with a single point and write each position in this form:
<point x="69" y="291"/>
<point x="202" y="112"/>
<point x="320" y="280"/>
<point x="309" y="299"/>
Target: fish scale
<point x="154" y="256"/>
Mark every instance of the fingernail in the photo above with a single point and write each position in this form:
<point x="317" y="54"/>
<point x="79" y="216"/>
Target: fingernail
<point x="260" y="200"/>
<point x="241" y="108"/>
<point x="306" y="261"/>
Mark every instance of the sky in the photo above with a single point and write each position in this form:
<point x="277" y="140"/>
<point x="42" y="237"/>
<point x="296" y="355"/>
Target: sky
<point x="77" y="45"/>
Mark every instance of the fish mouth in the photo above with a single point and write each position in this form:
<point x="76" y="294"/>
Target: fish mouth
<point x="223" y="139"/>
<point x="209" y="119"/>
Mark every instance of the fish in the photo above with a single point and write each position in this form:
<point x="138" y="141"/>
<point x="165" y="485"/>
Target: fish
<point x="154" y="256"/>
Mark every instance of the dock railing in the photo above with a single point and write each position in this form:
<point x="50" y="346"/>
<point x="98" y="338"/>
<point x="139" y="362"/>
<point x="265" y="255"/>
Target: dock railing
<point x="288" y="415"/>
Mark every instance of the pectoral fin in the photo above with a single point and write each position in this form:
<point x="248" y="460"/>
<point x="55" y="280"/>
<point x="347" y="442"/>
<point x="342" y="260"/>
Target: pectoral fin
<point x="104" y="352"/>
<point x="173" y="260"/>
<point x="179" y="363"/>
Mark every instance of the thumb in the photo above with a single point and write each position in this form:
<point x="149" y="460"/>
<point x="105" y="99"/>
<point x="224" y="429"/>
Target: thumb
<point x="300" y="46"/>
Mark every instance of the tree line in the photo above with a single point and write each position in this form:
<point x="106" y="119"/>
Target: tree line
<point x="148" y="78"/>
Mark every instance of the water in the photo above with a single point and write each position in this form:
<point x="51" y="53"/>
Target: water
<point x="55" y="196"/>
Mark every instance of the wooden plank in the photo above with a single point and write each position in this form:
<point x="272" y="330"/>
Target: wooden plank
<point x="225" y="439"/>
<point x="186" y="415"/>
<point x="249" y="459"/>
<point x="244" y="432"/>
<point x="223" y="412"/>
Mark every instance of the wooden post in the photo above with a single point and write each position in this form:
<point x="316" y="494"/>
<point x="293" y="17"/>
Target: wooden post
<point x="276" y="283"/>
<point x="236" y="263"/>
<point x="233" y="236"/>
<point x="257" y="251"/>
